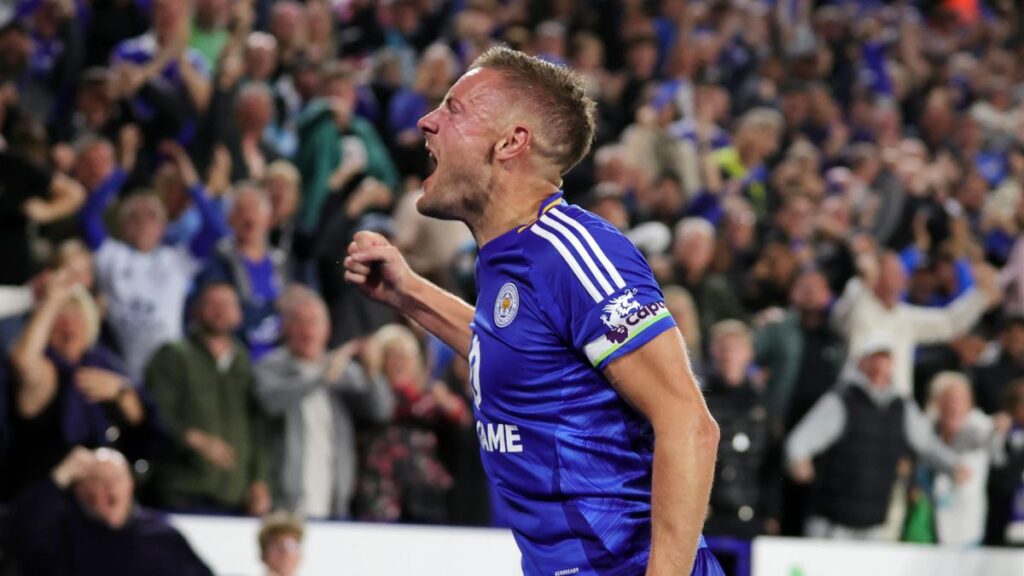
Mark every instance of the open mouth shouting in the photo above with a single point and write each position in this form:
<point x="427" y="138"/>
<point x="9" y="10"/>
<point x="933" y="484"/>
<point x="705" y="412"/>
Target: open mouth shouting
<point x="432" y="166"/>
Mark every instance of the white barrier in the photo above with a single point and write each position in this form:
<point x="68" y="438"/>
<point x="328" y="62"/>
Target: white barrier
<point x="228" y="545"/>
<point x="804" y="557"/>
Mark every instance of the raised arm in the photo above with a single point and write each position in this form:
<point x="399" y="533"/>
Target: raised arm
<point x="932" y="325"/>
<point x="196" y="82"/>
<point x="37" y="376"/>
<point x="856" y="292"/>
<point x="363" y="387"/>
<point x="380" y="271"/>
<point x="66" y="197"/>
<point x="42" y="512"/>
<point x="91" y="216"/>
<point x="282" y="385"/>
<point x="213" y="227"/>
<point x="658" y="381"/>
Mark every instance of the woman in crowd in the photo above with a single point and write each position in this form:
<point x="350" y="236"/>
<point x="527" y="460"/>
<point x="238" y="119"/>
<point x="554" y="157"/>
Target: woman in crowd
<point x="69" y="391"/>
<point x="960" y="507"/>
<point x="402" y="476"/>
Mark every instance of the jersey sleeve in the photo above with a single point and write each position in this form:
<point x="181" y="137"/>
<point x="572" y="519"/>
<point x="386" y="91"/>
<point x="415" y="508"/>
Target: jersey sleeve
<point x="604" y="298"/>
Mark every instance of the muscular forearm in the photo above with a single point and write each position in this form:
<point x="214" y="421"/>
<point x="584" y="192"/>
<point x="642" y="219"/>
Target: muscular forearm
<point x="684" y="464"/>
<point x="439" y="312"/>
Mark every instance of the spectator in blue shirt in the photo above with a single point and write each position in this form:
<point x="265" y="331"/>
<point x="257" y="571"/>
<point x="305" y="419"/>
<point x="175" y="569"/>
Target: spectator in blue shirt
<point x="256" y="269"/>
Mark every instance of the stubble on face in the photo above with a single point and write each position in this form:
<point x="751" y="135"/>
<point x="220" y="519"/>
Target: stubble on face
<point x="459" y="194"/>
<point x="464" y="179"/>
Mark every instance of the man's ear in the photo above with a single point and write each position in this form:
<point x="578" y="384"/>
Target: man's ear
<point x="513" y="143"/>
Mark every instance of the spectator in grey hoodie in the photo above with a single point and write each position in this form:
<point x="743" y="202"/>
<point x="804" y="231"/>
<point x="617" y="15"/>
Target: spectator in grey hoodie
<point x="316" y="395"/>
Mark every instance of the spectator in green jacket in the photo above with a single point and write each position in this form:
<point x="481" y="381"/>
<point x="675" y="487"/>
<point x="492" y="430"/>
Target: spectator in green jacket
<point x="336" y="147"/>
<point x="801" y="356"/>
<point x="800" y="352"/>
<point x="203" y="386"/>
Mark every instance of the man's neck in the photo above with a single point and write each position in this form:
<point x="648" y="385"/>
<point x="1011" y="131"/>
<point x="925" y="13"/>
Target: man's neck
<point x="205" y="25"/>
<point x="254" y="251"/>
<point x="694" y="276"/>
<point x="734" y="378"/>
<point x="307" y="356"/>
<point x="748" y="156"/>
<point x="509" y="210"/>
<point x="219" y="345"/>
<point x="812" y="319"/>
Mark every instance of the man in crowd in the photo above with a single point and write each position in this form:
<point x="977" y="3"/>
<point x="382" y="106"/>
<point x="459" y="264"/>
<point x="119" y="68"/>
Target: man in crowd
<point x="693" y="251"/>
<point x="994" y="377"/>
<point x="332" y="138"/>
<point x="801" y="356"/>
<point x="800" y="353"/>
<point x="144" y="281"/>
<point x="1005" y="522"/>
<point x="256" y="269"/>
<point x="873" y="302"/>
<point x="83" y="521"/>
<point x="317" y="396"/>
<point x="860" y="431"/>
<point x="744" y="492"/>
<point x="163" y="53"/>
<point x="203" y="385"/>
<point x="30" y="194"/>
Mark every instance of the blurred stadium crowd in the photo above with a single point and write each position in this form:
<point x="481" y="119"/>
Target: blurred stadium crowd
<point x="830" y="193"/>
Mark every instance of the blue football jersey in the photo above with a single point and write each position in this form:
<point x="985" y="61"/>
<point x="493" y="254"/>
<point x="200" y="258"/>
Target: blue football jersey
<point x="570" y="460"/>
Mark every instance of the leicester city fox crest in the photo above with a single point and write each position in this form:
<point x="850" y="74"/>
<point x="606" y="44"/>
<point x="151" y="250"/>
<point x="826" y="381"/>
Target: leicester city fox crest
<point x="506" y="306"/>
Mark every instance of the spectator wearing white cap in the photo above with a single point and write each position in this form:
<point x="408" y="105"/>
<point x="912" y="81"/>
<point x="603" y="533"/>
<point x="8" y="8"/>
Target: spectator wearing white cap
<point x="860" y="431"/>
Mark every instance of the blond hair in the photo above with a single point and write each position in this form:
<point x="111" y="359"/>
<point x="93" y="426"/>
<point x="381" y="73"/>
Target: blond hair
<point x="279" y="524"/>
<point x="556" y="95"/>
<point x="128" y="205"/>
<point x="943" y="382"/>
<point x="396" y="335"/>
<point x="68" y="249"/>
<point x="284" y="170"/>
<point x="90" y="313"/>
<point x="727" y="328"/>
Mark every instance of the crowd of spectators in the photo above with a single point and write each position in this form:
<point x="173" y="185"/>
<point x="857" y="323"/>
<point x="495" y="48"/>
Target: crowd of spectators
<point x="830" y="192"/>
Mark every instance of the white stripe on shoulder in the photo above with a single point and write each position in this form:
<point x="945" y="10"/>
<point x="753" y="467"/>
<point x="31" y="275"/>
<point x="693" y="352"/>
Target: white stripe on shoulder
<point x="554" y="241"/>
<point x="580" y="251"/>
<point x="615" y="276"/>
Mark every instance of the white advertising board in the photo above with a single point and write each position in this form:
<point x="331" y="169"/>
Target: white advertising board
<point x="229" y="547"/>
<point x="805" y="557"/>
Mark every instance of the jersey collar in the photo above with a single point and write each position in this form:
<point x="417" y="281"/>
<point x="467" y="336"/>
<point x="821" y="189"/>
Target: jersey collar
<point x="548" y="203"/>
